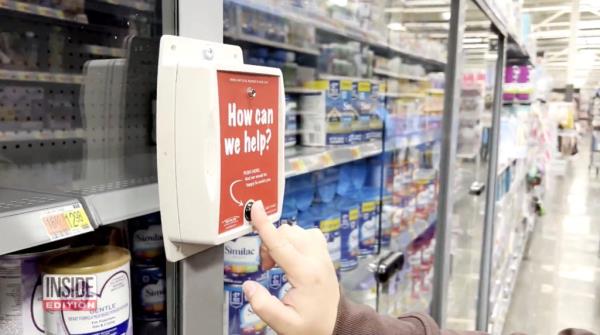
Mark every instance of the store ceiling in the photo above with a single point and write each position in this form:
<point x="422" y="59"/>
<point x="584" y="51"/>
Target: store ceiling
<point x="569" y="38"/>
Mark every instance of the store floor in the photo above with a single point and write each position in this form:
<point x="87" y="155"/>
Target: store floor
<point x="559" y="283"/>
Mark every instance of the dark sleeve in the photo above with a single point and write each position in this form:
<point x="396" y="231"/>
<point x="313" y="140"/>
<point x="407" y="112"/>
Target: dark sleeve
<point x="354" y="319"/>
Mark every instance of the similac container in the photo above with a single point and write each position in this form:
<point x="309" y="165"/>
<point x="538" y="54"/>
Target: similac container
<point x="239" y="317"/>
<point x="278" y="284"/>
<point x="349" y="217"/>
<point x="327" y="219"/>
<point x="242" y="259"/>
<point x="21" y="311"/>
<point x="149" y="293"/>
<point x="108" y="267"/>
<point x="147" y="240"/>
<point x="368" y="223"/>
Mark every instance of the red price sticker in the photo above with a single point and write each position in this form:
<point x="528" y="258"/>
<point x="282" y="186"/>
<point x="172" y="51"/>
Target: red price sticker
<point x="66" y="221"/>
<point x="249" y="120"/>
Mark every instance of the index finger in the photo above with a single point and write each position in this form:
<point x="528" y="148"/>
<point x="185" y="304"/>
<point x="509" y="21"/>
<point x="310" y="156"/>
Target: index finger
<point x="280" y="248"/>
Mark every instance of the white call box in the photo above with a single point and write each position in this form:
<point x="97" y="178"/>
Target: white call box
<point x="220" y="143"/>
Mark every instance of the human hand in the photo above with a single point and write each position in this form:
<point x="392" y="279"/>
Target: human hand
<point x="311" y="305"/>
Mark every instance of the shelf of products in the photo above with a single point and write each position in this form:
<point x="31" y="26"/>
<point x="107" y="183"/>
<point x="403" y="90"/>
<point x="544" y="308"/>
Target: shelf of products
<point x="392" y="74"/>
<point x="21" y="136"/>
<point x="300" y="160"/>
<point x="42" y="77"/>
<point x="400" y="95"/>
<point x="265" y="42"/>
<point x="27" y="8"/>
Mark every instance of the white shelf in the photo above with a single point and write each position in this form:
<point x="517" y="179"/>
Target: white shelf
<point x="302" y="90"/>
<point x="273" y="44"/>
<point x="404" y="95"/>
<point x="300" y="160"/>
<point x="394" y="75"/>
<point x="412" y="140"/>
<point x="43" y="77"/>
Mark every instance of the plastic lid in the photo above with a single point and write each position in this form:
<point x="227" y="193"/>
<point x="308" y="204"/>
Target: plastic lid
<point x="359" y="174"/>
<point x="345" y="185"/>
<point x="87" y="260"/>
<point x="306" y="220"/>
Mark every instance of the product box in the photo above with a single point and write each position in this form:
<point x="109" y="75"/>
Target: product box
<point x="364" y="106"/>
<point x="326" y="119"/>
<point x="377" y="113"/>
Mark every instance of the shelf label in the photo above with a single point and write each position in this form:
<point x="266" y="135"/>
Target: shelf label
<point x="66" y="221"/>
<point x="326" y="159"/>
<point x="298" y="165"/>
<point x="355" y="152"/>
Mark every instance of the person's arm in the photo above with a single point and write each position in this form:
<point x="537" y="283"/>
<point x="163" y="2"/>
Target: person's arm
<point x="314" y="304"/>
<point x="353" y="319"/>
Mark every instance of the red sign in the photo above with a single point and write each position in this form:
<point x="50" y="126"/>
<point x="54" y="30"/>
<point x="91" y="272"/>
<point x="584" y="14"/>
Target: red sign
<point x="249" y="109"/>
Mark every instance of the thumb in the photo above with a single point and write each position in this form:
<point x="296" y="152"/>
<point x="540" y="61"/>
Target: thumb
<point x="271" y="310"/>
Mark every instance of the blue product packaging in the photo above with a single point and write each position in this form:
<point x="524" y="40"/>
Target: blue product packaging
<point x="149" y="293"/>
<point x="326" y="181"/>
<point x="377" y="113"/>
<point x="359" y="174"/>
<point x="345" y="186"/>
<point x="327" y="219"/>
<point x="349" y="217"/>
<point x="303" y="190"/>
<point x="242" y="260"/>
<point x="365" y="107"/>
<point x="368" y="224"/>
<point x="306" y="219"/>
<point x="278" y="284"/>
<point x="239" y="315"/>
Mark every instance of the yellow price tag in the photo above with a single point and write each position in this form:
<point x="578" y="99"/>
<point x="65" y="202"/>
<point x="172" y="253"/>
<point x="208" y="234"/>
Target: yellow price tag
<point x="355" y="152"/>
<point x="326" y="159"/>
<point x="298" y="165"/>
<point x="77" y="219"/>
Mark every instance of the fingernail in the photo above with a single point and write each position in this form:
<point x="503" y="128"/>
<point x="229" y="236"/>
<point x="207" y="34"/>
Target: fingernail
<point x="249" y="289"/>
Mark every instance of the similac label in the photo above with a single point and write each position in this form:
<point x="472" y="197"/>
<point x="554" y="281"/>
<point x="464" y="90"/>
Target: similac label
<point x="149" y="286"/>
<point x="240" y="318"/>
<point x="94" y="304"/>
<point x="242" y="258"/>
<point x="278" y="284"/>
<point x="349" y="237"/>
<point x="147" y="243"/>
<point x="368" y="228"/>
<point x="331" y="230"/>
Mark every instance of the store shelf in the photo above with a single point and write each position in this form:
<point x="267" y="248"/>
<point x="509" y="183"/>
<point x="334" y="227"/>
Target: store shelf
<point x="104" y="51"/>
<point x="26" y="8"/>
<point x="137" y="5"/>
<point x="273" y="44"/>
<point x="22" y="218"/>
<point x="41" y="77"/>
<point x="300" y="160"/>
<point x="405" y="95"/>
<point x="394" y="75"/>
<point x="301" y="90"/>
<point x="336" y="27"/>
<point x="328" y="76"/>
<point x="412" y="140"/>
<point x="33" y="135"/>
<point x="436" y="91"/>
<point x="112" y="188"/>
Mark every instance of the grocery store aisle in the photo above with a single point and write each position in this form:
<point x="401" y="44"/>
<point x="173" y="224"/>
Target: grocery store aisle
<point x="559" y="285"/>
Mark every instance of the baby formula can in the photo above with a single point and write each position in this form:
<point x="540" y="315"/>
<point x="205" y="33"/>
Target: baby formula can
<point x="242" y="259"/>
<point x="149" y="293"/>
<point x="21" y="310"/>
<point x="87" y="291"/>
<point x="239" y="316"/>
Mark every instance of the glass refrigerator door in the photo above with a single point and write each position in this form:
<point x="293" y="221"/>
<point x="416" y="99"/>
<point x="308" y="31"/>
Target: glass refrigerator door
<point x="78" y="161"/>
<point x="364" y="99"/>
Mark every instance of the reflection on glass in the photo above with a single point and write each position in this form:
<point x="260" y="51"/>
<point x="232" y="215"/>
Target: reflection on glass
<point x="77" y="90"/>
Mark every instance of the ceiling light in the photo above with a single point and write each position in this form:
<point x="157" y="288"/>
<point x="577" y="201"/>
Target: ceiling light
<point x="446" y="16"/>
<point x="396" y="26"/>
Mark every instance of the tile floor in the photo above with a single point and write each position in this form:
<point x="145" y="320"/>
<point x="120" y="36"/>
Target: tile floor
<point x="559" y="283"/>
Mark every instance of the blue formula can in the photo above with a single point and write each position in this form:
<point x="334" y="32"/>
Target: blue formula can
<point x="349" y="218"/>
<point x="239" y="316"/>
<point x="278" y="284"/>
<point x="149" y="293"/>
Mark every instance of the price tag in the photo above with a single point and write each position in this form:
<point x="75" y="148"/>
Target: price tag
<point x="355" y="152"/>
<point x="66" y="221"/>
<point x="298" y="165"/>
<point x="326" y="159"/>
